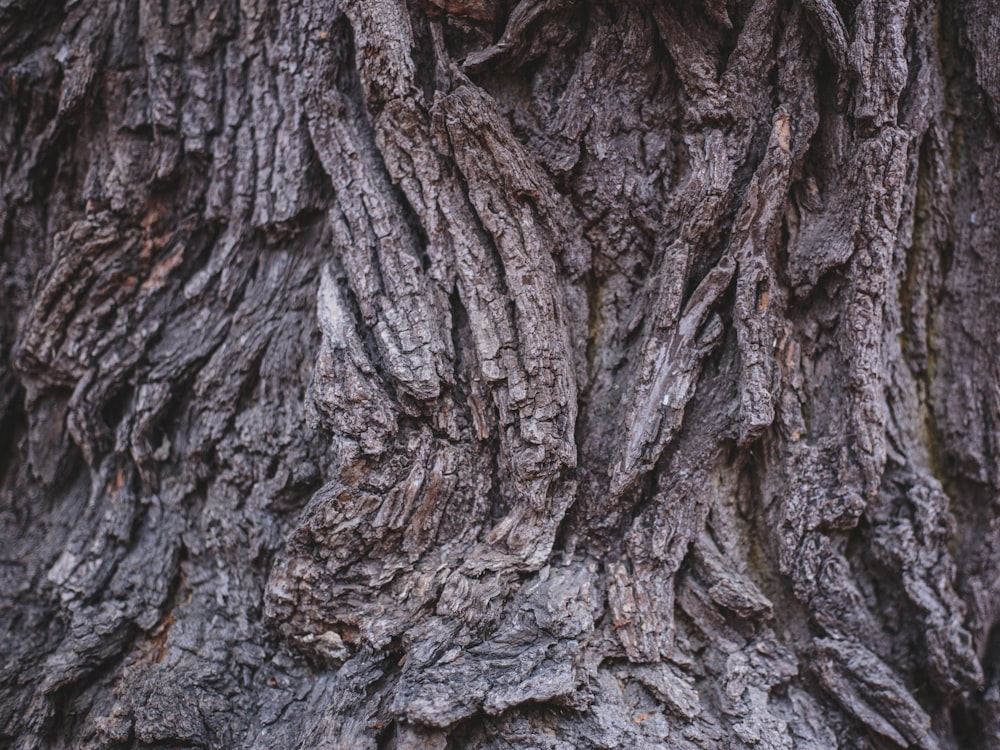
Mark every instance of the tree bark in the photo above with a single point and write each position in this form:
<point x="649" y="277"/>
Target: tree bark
<point x="481" y="374"/>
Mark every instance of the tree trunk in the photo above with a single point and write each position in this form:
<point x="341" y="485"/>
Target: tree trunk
<point x="480" y="374"/>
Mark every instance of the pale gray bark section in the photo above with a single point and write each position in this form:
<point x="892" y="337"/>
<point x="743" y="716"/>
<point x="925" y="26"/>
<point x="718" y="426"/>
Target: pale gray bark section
<point x="485" y="374"/>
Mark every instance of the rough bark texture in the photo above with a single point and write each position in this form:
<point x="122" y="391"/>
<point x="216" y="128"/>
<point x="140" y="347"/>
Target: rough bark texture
<point x="478" y="374"/>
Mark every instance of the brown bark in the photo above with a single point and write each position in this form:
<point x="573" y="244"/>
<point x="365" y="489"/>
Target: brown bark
<point x="483" y="374"/>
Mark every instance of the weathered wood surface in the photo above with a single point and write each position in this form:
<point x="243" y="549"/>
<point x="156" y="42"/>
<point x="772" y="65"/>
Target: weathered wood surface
<point x="480" y="374"/>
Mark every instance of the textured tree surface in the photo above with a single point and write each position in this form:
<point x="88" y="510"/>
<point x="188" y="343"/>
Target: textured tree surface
<point x="486" y="374"/>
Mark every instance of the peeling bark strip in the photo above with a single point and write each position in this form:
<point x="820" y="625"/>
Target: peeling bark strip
<point x="466" y="374"/>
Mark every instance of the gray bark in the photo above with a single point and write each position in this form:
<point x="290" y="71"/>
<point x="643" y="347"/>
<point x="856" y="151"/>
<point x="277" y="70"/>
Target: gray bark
<point x="481" y="374"/>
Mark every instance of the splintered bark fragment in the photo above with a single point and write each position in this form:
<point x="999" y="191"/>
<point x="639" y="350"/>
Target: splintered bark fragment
<point x="668" y="379"/>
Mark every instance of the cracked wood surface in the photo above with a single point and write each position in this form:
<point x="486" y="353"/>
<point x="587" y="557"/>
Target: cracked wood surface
<point x="475" y="374"/>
